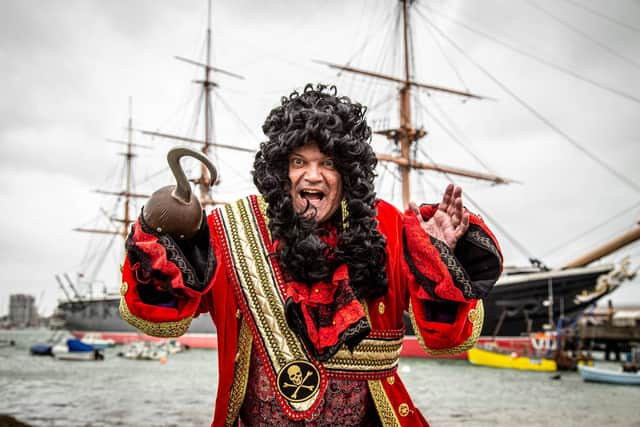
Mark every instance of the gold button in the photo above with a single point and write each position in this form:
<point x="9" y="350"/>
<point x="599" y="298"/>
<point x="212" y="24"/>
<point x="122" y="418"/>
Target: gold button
<point x="316" y="290"/>
<point x="238" y="314"/>
<point x="473" y="315"/>
<point x="403" y="409"/>
<point x="123" y="288"/>
<point x="391" y="380"/>
<point x="381" y="308"/>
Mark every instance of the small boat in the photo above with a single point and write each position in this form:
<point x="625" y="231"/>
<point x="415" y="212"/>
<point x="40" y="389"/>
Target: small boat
<point x="41" y="350"/>
<point x="96" y="340"/>
<point x="173" y="346"/>
<point x="74" y="349"/>
<point x="496" y="359"/>
<point x="45" y="349"/>
<point x="609" y="376"/>
<point x="145" y="350"/>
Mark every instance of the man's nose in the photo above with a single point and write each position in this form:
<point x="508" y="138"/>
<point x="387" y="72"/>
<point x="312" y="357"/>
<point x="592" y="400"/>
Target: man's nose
<point x="312" y="174"/>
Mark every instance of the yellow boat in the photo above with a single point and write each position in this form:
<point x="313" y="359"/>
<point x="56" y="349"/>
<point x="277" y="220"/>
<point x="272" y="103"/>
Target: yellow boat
<point x="483" y="357"/>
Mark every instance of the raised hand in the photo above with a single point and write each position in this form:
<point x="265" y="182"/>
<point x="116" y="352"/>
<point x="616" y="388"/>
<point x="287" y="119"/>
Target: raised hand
<point x="450" y="221"/>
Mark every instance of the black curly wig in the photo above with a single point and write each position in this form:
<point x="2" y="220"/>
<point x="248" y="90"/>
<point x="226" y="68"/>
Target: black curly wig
<point x="339" y="128"/>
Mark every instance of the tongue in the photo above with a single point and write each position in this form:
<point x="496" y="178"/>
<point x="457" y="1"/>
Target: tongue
<point x="312" y="196"/>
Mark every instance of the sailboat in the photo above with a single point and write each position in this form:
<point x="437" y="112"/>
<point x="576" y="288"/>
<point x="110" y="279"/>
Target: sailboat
<point x="525" y="299"/>
<point x="87" y="314"/>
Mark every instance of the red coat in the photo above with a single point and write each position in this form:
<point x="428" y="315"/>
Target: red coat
<point x="425" y="279"/>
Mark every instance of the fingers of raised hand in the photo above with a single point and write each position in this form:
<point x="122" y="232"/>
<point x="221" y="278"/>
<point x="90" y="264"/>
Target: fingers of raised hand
<point x="457" y="211"/>
<point x="463" y="226"/>
<point x="447" y="198"/>
<point x="457" y="191"/>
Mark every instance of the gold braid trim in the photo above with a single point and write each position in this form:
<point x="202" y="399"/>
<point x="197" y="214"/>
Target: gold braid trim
<point x="477" y="318"/>
<point x="263" y="206"/>
<point x="362" y="365"/>
<point x="159" y="329"/>
<point x="386" y="414"/>
<point x="370" y="349"/>
<point x="368" y="355"/>
<point x="241" y="375"/>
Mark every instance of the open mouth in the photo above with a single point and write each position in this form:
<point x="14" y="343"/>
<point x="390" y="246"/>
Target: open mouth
<point x="312" y="195"/>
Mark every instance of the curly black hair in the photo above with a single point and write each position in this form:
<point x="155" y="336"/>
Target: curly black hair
<point x="339" y="128"/>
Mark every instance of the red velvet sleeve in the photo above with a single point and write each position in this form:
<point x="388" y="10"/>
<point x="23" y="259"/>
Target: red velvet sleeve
<point x="446" y="286"/>
<point x="163" y="282"/>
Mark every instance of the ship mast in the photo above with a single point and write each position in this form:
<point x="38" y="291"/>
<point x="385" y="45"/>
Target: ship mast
<point x="127" y="193"/>
<point x="129" y="157"/>
<point x="408" y="132"/>
<point x="606" y="248"/>
<point x="208" y="85"/>
<point x="405" y="135"/>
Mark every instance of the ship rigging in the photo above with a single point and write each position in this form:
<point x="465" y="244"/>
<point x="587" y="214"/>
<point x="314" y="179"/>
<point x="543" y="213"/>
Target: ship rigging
<point x="405" y="142"/>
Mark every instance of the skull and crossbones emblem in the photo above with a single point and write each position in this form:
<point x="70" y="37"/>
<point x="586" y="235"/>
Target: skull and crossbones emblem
<point x="298" y="380"/>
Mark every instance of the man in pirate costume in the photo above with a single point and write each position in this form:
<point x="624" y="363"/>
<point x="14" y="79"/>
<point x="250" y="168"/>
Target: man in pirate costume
<point x="308" y="282"/>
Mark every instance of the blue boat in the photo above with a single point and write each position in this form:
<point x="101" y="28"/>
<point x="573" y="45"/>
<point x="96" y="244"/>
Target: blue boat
<point x="74" y="349"/>
<point x="589" y="373"/>
<point x="41" y="350"/>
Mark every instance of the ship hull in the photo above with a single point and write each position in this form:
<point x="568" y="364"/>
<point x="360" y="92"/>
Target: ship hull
<point x="514" y="302"/>
<point x="532" y="302"/>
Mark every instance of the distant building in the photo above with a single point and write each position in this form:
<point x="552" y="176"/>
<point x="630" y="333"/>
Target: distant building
<point x="22" y="311"/>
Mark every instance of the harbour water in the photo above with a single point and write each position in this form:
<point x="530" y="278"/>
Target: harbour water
<point x="42" y="391"/>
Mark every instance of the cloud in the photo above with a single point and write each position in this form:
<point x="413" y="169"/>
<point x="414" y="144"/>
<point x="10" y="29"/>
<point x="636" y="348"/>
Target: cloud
<point x="69" y="68"/>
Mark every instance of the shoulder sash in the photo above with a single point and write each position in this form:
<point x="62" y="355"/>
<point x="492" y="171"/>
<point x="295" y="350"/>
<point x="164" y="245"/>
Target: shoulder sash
<point x="259" y="288"/>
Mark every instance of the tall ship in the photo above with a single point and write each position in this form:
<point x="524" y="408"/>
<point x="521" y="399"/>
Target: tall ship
<point x="524" y="300"/>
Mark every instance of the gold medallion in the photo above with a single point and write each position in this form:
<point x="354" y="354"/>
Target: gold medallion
<point x="298" y="381"/>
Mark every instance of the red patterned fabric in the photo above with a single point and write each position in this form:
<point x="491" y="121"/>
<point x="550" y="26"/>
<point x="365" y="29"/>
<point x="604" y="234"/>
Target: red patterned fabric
<point x="329" y="309"/>
<point x="346" y="403"/>
<point x="184" y="307"/>
<point x="440" y="280"/>
<point x="385" y="313"/>
<point x="420" y="248"/>
<point x="157" y="256"/>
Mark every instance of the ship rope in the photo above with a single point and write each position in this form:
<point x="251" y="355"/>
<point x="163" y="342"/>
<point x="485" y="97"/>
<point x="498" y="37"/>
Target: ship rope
<point x="578" y="31"/>
<point x="101" y="259"/>
<point x="603" y="16"/>
<point x="585" y="233"/>
<point x="448" y="60"/>
<point x="495" y="224"/>
<point x="450" y="129"/>
<point x="367" y="40"/>
<point x="529" y="55"/>
<point x="538" y="115"/>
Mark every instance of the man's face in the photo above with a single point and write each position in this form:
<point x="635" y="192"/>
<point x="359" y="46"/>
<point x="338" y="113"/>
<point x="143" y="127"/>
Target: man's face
<point x="314" y="179"/>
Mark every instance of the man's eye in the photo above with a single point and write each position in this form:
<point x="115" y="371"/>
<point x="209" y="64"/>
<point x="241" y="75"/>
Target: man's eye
<point x="329" y="163"/>
<point x="296" y="162"/>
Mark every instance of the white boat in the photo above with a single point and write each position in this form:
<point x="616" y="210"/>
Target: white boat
<point x="589" y="373"/>
<point x="173" y="346"/>
<point x="96" y="340"/>
<point x="145" y="350"/>
<point x="74" y="349"/>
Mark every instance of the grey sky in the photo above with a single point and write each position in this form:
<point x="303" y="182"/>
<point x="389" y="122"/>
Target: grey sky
<point x="68" y="68"/>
